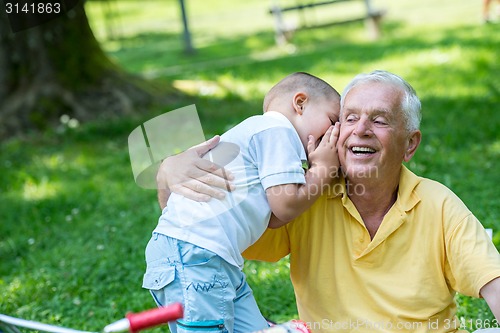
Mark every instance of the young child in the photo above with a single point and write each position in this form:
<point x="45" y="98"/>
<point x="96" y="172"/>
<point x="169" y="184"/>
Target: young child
<point x="194" y="256"/>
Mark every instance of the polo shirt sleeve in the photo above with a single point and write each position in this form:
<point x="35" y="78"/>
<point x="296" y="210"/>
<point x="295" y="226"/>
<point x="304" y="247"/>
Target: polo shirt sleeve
<point x="473" y="259"/>
<point x="273" y="245"/>
<point x="278" y="153"/>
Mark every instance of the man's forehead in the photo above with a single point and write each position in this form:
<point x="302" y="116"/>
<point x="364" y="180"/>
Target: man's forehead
<point x="373" y="95"/>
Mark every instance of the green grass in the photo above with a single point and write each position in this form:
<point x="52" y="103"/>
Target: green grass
<point x="74" y="224"/>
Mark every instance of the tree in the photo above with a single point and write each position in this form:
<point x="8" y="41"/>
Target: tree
<point x="59" y="68"/>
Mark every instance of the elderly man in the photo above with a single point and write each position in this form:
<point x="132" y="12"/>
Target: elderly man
<point x="382" y="249"/>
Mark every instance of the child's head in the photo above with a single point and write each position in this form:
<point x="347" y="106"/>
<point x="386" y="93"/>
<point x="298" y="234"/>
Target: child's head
<point x="311" y="104"/>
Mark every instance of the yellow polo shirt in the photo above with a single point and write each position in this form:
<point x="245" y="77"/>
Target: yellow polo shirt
<point x="428" y="246"/>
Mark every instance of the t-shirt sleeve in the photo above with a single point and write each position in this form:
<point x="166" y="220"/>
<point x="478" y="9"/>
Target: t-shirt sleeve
<point x="273" y="245"/>
<point x="279" y="155"/>
<point x="473" y="259"/>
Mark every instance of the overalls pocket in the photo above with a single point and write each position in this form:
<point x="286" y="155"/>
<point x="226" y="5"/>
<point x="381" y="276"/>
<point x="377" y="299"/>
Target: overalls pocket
<point x="156" y="279"/>
<point x="159" y="277"/>
<point x="207" y="326"/>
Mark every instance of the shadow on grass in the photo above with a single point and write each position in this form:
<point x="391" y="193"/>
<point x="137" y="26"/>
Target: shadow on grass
<point x="160" y="53"/>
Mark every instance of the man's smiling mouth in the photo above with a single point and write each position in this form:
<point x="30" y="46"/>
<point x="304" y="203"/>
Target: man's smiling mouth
<point x="362" y="150"/>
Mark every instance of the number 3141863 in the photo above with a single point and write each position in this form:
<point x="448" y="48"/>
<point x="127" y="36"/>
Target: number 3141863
<point x="33" y="8"/>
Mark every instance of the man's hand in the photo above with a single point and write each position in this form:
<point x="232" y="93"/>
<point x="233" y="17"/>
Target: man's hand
<point x="190" y="175"/>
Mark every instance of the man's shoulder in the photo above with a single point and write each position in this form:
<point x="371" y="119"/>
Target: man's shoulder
<point x="433" y="201"/>
<point x="432" y="186"/>
<point x="434" y="193"/>
<point x="423" y="186"/>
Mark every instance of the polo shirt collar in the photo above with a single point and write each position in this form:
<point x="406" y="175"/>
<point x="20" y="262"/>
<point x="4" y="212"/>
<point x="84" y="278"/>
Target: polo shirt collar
<point x="337" y="189"/>
<point x="407" y="197"/>
<point x="277" y="115"/>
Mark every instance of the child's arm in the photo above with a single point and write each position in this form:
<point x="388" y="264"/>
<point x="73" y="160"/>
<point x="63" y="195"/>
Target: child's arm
<point x="288" y="201"/>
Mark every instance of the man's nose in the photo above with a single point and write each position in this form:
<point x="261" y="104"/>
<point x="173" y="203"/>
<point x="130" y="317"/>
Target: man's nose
<point x="363" y="127"/>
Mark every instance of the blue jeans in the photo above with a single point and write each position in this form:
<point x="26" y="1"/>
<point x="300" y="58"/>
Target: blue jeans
<point x="215" y="294"/>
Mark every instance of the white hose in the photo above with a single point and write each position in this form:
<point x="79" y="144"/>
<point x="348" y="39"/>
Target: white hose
<point x="37" y="326"/>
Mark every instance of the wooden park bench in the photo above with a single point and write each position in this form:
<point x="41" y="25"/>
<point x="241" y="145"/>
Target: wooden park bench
<point x="285" y="31"/>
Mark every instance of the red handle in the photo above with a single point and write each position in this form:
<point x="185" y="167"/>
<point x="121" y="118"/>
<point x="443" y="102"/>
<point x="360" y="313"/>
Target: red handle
<point x="154" y="317"/>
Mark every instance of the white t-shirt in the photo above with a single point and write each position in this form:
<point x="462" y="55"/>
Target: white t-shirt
<point x="262" y="151"/>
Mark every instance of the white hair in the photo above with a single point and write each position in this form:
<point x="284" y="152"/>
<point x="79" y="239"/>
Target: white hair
<point x="410" y="103"/>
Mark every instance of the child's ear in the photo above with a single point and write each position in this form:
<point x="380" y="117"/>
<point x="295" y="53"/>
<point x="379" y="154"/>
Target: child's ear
<point x="299" y="101"/>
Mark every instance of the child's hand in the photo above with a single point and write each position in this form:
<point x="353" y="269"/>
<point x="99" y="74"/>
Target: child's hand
<point x="324" y="158"/>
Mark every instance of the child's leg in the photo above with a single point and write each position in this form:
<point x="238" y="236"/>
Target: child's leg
<point x="207" y="286"/>
<point x="182" y="272"/>
<point x="217" y="295"/>
<point x="247" y="314"/>
<point x="160" y="278"/>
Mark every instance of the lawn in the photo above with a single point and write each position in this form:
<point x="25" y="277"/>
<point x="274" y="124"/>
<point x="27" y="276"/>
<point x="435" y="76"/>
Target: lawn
<point x="73" y="222"/>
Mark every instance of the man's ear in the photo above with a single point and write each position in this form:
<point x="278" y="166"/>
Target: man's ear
<point x="299" y="101"/>
<point x="413" y="142"/>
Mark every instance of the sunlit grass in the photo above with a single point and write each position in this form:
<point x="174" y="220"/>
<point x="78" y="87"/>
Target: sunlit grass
<point x="43" y="189"/>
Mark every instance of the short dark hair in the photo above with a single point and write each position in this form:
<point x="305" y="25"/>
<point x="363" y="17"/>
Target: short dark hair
<point x="297" y="81"/>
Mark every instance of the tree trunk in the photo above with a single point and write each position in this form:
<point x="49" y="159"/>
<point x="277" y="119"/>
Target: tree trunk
<point x="58" y="68"/>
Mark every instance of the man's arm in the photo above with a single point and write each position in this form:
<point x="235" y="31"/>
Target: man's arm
<point x="273" y="245"/>
<point x="192" y="176"/>
<point x="491" y="293"/>
<point x="290" y="200"/>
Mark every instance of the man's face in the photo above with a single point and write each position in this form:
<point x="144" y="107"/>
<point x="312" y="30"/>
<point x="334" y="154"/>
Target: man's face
<point x="373" y="139"/>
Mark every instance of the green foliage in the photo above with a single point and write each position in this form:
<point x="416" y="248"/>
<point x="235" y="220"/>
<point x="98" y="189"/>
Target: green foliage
<point x="74" y="224"/>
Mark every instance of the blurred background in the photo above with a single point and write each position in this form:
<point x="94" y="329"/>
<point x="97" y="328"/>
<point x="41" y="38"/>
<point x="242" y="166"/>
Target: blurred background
<point x="74" y="225"/>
